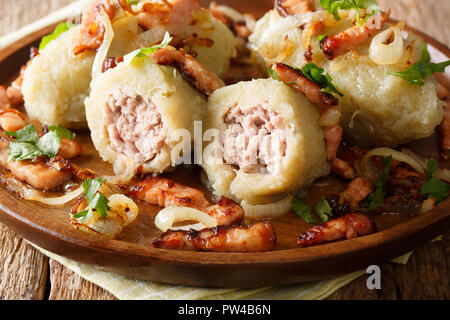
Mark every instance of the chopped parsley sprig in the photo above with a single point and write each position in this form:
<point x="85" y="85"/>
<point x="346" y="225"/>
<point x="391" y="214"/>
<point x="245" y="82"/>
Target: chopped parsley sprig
<point x="61" y="28"/>
<point x="28" y="145"/>
<point x="333" y="7"/>
<point x="376" y="198"/>
<point x="422" y="69"/>
<point x="304" y="210"/>
<point x="314" y="73"/>
<point x="145" y="52"/>
<point x="434" y="187"/>
<point x="96" y="200"/>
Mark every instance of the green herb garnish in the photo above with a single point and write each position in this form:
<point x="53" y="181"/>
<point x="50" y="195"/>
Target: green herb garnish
<point x="434" y="187"/>
<point x="96" y="200"/>
<point x="28" y="145"/>
<point x="302" y="209"/>
<point x="321" y="37"/>
<point x="145" y="52"/>
<point x="61" y="28"/>
<point x="323" y="210"/>
<point x="313" y="73"/>
<point x="333" y="7"/>
<point x="421" y="69"/>
<point x="316" y="74"/>
<point x="376" y="198"/>
<point x="62" y="132"/>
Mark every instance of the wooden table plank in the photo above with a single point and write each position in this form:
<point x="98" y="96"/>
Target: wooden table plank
<point x="23" y="269"/>
<point x="67" y="285"/>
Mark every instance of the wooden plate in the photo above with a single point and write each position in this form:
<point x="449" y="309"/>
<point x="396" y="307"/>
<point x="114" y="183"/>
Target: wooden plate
<point x="132" y="254"/>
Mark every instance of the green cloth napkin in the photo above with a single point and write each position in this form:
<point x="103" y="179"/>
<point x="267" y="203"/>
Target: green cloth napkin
<point x="126" y="288"/>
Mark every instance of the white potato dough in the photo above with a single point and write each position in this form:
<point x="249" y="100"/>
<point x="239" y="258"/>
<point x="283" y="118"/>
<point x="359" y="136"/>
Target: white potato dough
<point x="150" y="103"/>
<point x="302" y="158"/>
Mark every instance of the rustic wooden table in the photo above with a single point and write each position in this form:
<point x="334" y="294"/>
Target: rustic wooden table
<point x="27" y="274"/>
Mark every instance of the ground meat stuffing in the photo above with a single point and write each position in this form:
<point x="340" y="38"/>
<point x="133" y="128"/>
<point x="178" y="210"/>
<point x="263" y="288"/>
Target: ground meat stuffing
<point x="136" y="128"/>
<point x="255" y="139"/>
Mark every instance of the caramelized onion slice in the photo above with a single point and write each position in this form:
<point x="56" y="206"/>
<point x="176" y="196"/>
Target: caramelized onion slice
<point x="272" y="210"/>
<point x="168" y="216"/>
<point x="388" y="46"/>
<point x="369" y="171"/>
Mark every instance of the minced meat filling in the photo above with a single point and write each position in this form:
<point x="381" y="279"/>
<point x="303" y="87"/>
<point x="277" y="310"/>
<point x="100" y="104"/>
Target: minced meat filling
<point x="255" y="139"/>
<point x="136" y="128"/>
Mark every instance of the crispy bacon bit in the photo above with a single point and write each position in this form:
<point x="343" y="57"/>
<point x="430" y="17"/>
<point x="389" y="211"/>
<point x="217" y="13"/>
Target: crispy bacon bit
<point x="12" y="120"/>
<point x="445" y="131"/>
<point x="4" y="101"/>
<point x="82" y="173"/>
<point x="111" y="63"/>
<point x="14" y="91"/>
<point x="226" y="212"/>
<point x="334" y="46"/>
<point x="165" y="193"/>
<point x="258" y="237"/>
<point x="199" y="76"/>
<point x="69" y="149"/>
<point x="154" y="14"/>
<point x="239" y="28"/>
<point x="310" y="89"/>
<point x="187" y="43"/>
<point x="349" y="226"/>
<point x="292" y="7"/>
<point x="357" y="191"/>
<point x="40" y="174"/>
<point x="308" y="54"/>
<point x="92" y="30"/>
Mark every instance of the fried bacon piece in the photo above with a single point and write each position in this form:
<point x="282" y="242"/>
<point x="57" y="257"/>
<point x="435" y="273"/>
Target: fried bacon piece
<point x="199" y="76"/>
<point x="92" y="30"/>
<point x="357" y="191"/>
<point x="334" y="46"/>
<point x="166" y="193"/>
<point x="258" y="237"/>
<point x="444" y="130"/>
<point x="309" y="88"/>
<point x="14" y="91"/>
<point x="226" y="212"/>
<point x="291" y="7"/>
<point x="177" y="12"/>
<point x="69" y="149"/>
<point x="312" y="91"/>
<point x="238" y="27"/>
<point x="12" y="120"/>
<point x="4" y="101"/>
<point x="349" y="226"/>
<point x="43" y="175"/>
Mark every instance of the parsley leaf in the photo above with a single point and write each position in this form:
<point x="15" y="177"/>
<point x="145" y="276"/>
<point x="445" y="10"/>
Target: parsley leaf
<point x="376" y="198"/>
<point x="61" y="28"/>
<point x="333" y="7"/>
<point x="273" y="74"/>
<point x="421" y="69"/>
<point x="302" y="209"/>
<point x="144" y="52"/>
<point x="62" y="132"/>
<point x="132" y="2"/>
<point x="96" y="200"/>
<point x="28" y="145"/>
<point x="323" y="210"/>
<point x="434" y="187"/>
<point x="313" y="73"/>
